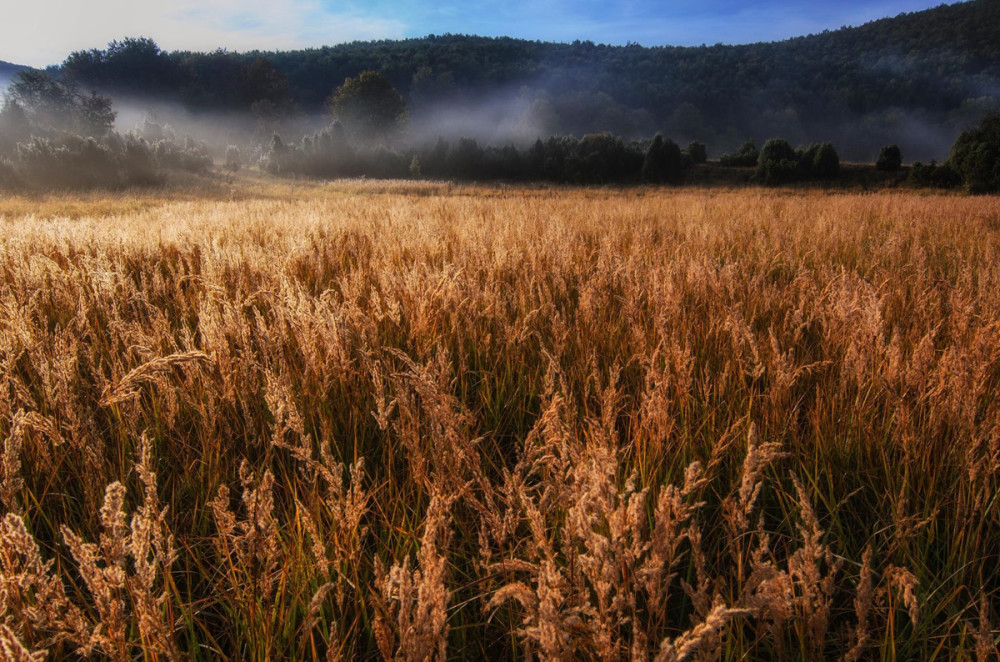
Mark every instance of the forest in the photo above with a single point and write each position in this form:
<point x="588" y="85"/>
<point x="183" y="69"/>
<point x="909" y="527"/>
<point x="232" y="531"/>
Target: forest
<point x="475" y="108"/>
<point x="915" y="80"/>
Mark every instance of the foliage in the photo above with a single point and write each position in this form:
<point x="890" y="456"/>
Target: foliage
<point x="778" y="163"/>
<point x="817" y="161"/>
<point x="975" y="156"/>
<point x="697" y="151"/>
<point x="890" y="158"/>
<point x="369" y="106"/>
<point x="935" y="65"/>
<point x="234" y="158"/>
<point x="744" y="157"/>
<point x="934" y="175"/>
<point x="663" y="161"/>
<point x="51" y="106"/>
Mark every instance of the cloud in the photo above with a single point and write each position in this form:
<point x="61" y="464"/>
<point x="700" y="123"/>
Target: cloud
<point x="42" y="32"/>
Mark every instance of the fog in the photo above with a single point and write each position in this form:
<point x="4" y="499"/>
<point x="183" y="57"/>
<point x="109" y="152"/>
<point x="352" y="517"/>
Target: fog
<point x="558" y="104"/>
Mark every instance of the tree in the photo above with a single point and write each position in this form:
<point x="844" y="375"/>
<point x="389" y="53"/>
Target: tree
<point x="369" y="106"/>
<point x="890" y="159"/>
<point x="696" y="150"/>
<point x="777" y="163"/>
<point x="14" y="126"/>
<point x="663" y="161"/>
<point x="134" y="66"/>
<point x="820" y="160"/>
<point x="53" y="106"/>
<point x="261" y="82"/>
<point x="975" y="156"/>
<point x="745" y="157"/>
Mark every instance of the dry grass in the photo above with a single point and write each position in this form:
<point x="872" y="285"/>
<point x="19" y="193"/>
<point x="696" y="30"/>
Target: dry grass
<point x="418" y="422"/>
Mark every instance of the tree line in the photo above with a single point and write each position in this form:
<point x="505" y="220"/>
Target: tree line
<point x="939" y="68"/>
<point x="54" y="135"/>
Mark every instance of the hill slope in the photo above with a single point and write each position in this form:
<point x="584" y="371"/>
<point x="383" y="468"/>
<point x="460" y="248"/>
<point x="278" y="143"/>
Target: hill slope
<point x="916" y="79"/>
<point x="8" y="70"/>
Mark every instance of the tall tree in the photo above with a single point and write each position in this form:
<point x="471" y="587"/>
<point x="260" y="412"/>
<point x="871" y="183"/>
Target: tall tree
<point x="52" y="105"/>
<point x="369" y="106"/>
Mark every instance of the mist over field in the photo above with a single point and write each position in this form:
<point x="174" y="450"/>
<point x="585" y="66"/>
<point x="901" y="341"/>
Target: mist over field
<point x="916" y="80"/>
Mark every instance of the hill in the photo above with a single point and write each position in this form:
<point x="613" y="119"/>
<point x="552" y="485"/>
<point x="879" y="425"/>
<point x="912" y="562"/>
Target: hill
<point x="8" y="70"/>
<point x="916" y="79"/>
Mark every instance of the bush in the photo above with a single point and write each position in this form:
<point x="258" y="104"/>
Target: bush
<point x="234" y="158"/>
<point x="825" y="162"/>
<point x="663" y="162"/>
<point x="465" y="159"/>
<point x="137" y="163"/>
<point x="890" y="159"/>
<point x="778" y="163"/>
<point x="71" y="162"/>
<point x="934" y="175"/>
<point x="697" y="152"/>
<point x="192" y="157"/>
<point x="745" y="157"/>
<point x="8" y="175"/>
<point x="975" y="156"/>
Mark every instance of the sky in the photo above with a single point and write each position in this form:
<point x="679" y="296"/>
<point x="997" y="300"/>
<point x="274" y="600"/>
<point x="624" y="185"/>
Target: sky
<point x="43" y="32"/>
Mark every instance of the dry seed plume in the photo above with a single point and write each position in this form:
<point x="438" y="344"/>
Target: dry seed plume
<point x="410" y="419"/>
<point x="155" y="371"/>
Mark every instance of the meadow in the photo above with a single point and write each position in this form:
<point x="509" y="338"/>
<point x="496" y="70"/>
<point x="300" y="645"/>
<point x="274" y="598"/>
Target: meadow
<point x="403" y="420"/>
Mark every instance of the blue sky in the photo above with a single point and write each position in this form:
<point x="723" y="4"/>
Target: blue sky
<point x="41" y="32"/>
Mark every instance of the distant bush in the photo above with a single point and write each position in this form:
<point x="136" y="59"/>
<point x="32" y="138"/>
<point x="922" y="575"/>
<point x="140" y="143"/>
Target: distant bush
<point x="192" y="157"/>
<point x="975" y="156"/>
<point x="745" y="157"/>
<point x="8" y="175"/>
<point x="934" y="175"/>
<point x="70" y="162"/>
<point x="383" y="163"/>
<point x="75" y="162"/>
<point x="890" y="159"/>
<point x="137" y="164"/>
<point x="697" y="152"/>
<point x="825" y="163"/>
<point x="663" y="161"/>
<point x="817" y="161"/>
<point x="778" y="163"/>
<point x="234" y="158"/>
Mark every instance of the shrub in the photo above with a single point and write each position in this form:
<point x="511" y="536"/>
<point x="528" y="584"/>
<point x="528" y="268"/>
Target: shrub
<point x="193" y="157"/>
<point x="137" y="163"/>
<point x="745" y="157"/>
<point x="778" y="163"/>
<point x="71" y="162"/>
<point x="975" y="156"/>
<point x="234" y="158"/>
<point x="825" y="162"/>
<point x="696" y="150"/>
<point x="414" y="168"/>
<point x="934" y="175"/>
<point x="663" y="162"/>
<point x="8" y="175"/>
<point x="890" y="159"/>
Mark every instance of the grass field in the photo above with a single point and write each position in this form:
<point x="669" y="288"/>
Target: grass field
<point x="269" y="421"/>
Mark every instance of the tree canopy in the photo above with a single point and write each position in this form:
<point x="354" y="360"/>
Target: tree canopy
<point x="975" y="156"/>
<point x="50" y="105"/>
<point x="368" y="106"/>
<point x="861" y="87"/>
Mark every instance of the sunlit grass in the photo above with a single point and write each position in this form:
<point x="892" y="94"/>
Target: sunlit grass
<point x="411" y="419"/>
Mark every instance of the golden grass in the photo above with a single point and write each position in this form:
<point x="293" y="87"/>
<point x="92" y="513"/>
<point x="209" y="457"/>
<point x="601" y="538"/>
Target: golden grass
<point x="274" y="420"/>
